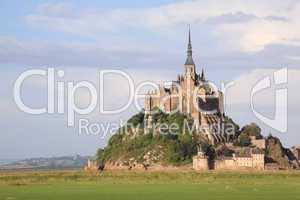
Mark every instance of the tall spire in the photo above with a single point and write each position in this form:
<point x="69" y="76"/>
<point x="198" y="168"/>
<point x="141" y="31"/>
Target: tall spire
<point x="202" y="77"/>
<point x="189" y="59"/>
<point x="189" y="51"/>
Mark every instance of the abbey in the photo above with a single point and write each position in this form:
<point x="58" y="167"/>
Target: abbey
<point x="193" y="95"/>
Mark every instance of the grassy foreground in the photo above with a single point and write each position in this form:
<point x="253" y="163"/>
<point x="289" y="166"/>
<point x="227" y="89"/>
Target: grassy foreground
<point x="150" y="185"/>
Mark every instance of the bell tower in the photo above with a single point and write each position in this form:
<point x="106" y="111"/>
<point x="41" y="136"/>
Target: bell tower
<point x="190" y="76"/>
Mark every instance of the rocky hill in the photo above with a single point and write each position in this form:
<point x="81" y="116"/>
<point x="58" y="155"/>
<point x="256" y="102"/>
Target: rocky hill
<point x="133" y="146"/>
<point x="275" y="152"/>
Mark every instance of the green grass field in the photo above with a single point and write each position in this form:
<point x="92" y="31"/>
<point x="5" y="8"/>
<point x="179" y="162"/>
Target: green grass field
<point x="125" y="185"/>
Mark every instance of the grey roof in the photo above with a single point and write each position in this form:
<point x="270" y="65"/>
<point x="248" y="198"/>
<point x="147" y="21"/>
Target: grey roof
<point x="189" y="59"/>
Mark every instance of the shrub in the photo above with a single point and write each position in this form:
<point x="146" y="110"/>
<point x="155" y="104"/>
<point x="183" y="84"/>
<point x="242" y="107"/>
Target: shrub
<point x="252" y="130"/>
<point x="244" y="140"/>
<point x="100" y="154"/>
<point x="209" y="150"/>
<point x="137" y="119"/>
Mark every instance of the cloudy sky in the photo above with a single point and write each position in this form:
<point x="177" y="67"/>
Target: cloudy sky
<point x="234" y="40"/>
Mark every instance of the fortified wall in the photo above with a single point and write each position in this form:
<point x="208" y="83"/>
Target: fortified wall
<point x="255" y="161"/>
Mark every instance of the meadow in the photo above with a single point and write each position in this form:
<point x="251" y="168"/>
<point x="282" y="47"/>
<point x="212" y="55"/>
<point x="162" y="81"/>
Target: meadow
<point x="175" y="185"/>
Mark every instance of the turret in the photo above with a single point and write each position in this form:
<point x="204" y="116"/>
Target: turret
<point x="202" y="77"/>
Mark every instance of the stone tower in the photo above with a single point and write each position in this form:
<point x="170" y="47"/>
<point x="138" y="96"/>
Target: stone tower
<point x="190" y="79"/>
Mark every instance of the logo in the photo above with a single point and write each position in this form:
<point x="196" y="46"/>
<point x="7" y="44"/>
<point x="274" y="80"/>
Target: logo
<point x="280" y="120"/>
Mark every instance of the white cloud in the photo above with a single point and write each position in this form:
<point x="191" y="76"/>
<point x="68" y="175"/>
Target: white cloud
<point x="62" y="9"/>
<point x="75" y="53"/>
<point x="269" y="23"/>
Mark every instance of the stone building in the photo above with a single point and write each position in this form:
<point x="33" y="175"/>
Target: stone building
<point x="256" y="160"/>
<point x="296" y="152"/>
<point x="201" y="162"/>
<point x="191" y="94"/>
<point x="258" y="142"/>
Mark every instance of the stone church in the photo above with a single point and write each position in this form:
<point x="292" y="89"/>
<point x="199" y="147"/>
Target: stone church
<point x="191" y="94"/>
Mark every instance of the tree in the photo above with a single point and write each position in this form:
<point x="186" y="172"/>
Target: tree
<point x="100" y="157"/>
<point x="252" y="130"/>
<point x="244" y="140"/>
<point x="101" y="166"/>
<point x="209" y="150"/>
<point x="137" y="119"/>
<point x="100" y="154"/>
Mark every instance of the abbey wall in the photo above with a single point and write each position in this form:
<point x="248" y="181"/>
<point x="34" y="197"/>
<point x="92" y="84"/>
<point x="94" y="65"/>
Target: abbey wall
<point x="254" y="161"/>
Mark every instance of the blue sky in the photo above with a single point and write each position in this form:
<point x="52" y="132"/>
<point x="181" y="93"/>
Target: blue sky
<point x="240" y="41"/>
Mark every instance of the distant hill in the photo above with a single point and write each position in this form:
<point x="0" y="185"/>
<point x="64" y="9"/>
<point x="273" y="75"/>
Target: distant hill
<point x="53" y="163"/>
<point x="7" y="161"/>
